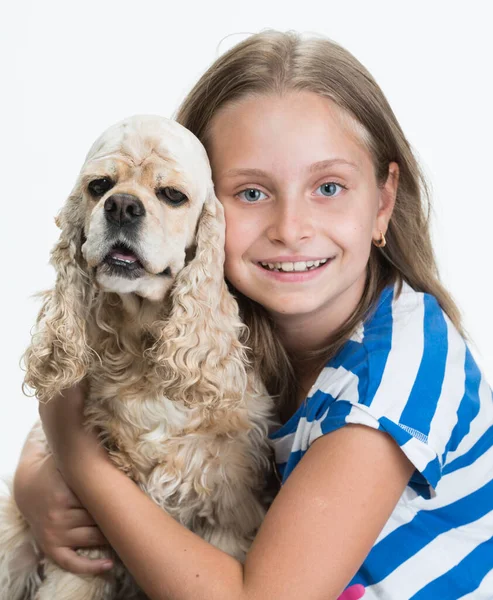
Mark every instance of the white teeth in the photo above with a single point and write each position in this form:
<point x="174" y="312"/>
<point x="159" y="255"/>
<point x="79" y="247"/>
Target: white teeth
<point x="288" y="267"/>
<point x="125" y="260"/>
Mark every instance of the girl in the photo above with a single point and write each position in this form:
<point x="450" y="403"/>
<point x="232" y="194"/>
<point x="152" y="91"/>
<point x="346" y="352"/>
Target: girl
<point x="385" y="451"/>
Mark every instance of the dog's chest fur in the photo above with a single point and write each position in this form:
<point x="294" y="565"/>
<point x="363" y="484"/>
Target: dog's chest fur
<point x="204" y="466"/>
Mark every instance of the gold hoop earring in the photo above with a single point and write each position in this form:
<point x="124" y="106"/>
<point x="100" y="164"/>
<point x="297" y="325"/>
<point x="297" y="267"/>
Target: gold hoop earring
<point x="381" y="242"/>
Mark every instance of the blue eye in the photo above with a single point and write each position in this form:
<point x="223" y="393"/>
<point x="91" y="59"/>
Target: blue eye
<point x="251" y="195"/>
<point x="330" y="189"/>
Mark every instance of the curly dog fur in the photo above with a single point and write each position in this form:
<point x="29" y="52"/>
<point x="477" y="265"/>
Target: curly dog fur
<point x="141" y="311"/>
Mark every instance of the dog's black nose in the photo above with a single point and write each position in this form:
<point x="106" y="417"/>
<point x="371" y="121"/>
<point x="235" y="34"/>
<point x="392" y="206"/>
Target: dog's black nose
<point x="124" y="209"/>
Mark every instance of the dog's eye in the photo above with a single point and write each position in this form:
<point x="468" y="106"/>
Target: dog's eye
<point x="171" y="196"/>
<point x="99" y="187"/>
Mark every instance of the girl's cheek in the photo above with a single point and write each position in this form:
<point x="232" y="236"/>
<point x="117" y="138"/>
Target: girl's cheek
<point x="231" y="218"/>
<point x="349" y="232"/>
<point x="233" y="274"/>
<point x="233" y="255"/>
<point x="241" y="232"/>
<point x="231" y="245"/>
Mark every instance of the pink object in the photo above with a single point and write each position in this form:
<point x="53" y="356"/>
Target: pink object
<point x="353" y="593"/>
<point x="123" y="255"/>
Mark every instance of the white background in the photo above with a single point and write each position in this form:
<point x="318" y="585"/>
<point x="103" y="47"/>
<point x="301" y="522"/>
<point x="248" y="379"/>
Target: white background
<point x="70" y="69"/>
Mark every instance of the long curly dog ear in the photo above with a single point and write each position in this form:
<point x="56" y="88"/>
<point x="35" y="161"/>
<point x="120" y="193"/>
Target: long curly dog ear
<point x="59" y="355"/>
<point x="197" y="353"/>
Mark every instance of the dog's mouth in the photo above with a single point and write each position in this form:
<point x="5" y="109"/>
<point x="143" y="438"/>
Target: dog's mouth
<point x="123" y="257"/>
<point x="123" y="261"/>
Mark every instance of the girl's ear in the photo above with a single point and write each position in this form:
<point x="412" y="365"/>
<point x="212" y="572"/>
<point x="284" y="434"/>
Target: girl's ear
<point x="197" y="353"/>
<point x="59" y="355"/>
<point x="388" y="194"/>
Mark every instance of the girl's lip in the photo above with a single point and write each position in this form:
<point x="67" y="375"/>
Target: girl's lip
<point x="293" y="276"/>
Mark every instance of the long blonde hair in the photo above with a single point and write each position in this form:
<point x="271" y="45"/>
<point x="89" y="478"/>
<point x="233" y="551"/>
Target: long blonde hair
<point x="273" y="62"/>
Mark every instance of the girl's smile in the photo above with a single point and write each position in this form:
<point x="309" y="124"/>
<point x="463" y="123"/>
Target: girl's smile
<point x="293" y="269"/>
<point x="302" y="206"/>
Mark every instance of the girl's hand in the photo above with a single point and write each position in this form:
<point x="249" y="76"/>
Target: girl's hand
<point x="57" y="520"/>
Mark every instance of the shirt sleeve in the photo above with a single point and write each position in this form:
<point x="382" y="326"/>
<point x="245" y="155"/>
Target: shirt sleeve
<point x="406" y="378"/>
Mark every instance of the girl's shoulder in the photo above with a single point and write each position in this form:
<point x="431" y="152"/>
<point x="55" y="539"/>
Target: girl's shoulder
<point x="411" y="363"/>
<point x="409" y="372"/>
<point x="409" y="336"/>
<point x="405" y="346"/>
<point x="402" y="312"/>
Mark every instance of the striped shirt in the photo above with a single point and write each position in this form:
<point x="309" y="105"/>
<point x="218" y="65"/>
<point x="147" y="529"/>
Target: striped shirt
<point x="407" y="371"/>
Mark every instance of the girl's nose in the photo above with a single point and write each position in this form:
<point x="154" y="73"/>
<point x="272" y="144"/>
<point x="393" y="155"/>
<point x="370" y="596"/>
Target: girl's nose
<point x="291" y="223"/>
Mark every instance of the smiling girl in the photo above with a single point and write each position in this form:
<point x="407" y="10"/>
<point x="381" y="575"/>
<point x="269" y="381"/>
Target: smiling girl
<point x="386" y="446"/>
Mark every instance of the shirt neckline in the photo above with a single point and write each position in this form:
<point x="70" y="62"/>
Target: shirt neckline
<point x="291" y="424"/>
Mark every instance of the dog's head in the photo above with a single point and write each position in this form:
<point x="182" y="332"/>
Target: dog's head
<point x="136" y="204"/>
<point x="144" y="198"/>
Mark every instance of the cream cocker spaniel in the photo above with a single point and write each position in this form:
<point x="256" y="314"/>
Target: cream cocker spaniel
<point x="140" y="310"/>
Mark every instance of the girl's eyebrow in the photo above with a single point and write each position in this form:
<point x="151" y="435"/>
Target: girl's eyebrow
<point x="318" y="166"/>
<point x="326" y="164"/>
<point x="246" y="172"/>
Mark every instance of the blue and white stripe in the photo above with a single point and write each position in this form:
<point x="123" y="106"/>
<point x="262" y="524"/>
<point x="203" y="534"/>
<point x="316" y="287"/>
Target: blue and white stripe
<point x="408" y="371"/>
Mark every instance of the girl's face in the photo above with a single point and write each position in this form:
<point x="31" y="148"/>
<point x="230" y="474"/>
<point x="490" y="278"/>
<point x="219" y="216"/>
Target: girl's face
<point x="301" y="201"/>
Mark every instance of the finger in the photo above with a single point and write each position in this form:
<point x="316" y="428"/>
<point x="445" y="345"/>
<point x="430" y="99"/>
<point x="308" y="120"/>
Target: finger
<point x="69" y="560"/>
<point x="61" y="522"/>
<point x="87" y="537"/>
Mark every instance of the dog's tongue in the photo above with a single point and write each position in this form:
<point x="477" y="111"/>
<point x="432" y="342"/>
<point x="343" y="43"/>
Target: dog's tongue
<point x="123" y="255"/>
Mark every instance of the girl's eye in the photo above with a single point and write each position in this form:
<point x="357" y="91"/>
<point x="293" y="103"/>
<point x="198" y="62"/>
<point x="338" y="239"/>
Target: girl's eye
<point x="251" y="195"/>
<point x="330" y="189"/>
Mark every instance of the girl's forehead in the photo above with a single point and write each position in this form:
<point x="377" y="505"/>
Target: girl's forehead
<point x="298" y="126"/>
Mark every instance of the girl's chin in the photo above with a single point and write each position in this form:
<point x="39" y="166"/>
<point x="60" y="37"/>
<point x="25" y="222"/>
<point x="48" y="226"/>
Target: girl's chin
<point x="282" y="308"/>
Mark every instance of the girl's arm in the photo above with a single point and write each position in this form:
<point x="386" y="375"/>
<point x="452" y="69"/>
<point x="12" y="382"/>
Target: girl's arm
<point x="57" y="520"/>
<point x="315" y="536"/>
